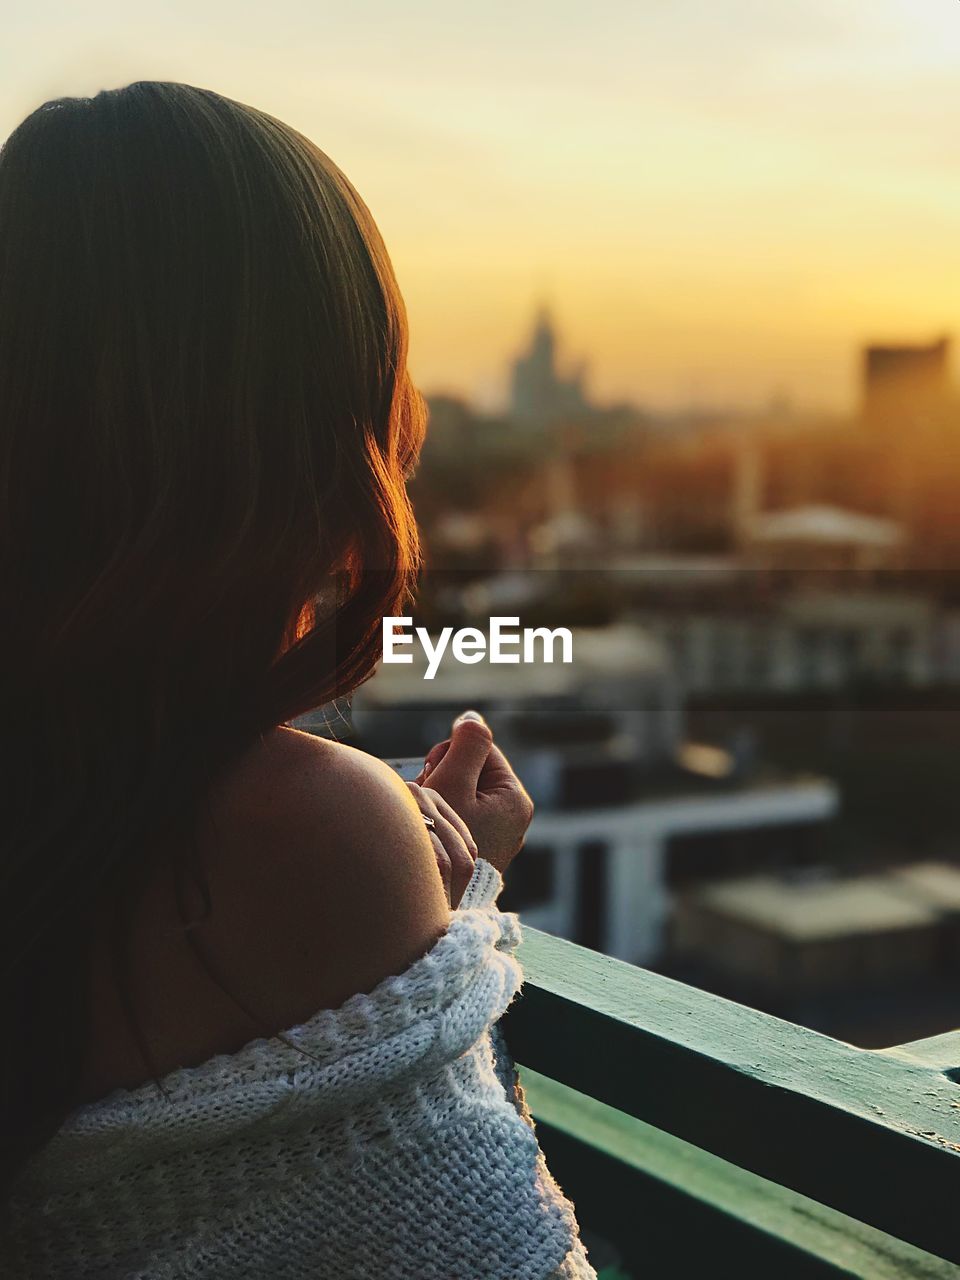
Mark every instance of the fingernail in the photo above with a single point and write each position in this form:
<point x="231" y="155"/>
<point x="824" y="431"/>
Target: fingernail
<point x="426" y="769"/>
<point x="469" y="715"/>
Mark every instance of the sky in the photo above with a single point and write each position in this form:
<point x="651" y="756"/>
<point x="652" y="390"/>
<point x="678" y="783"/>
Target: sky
<point x="719" y="201"/>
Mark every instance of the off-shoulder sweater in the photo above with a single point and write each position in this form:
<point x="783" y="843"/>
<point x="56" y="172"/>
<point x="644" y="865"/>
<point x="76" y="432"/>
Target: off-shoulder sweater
<point x="382" y="1140"/>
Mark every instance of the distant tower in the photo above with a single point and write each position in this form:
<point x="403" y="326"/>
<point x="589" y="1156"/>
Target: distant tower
<point x="539" y="395"/>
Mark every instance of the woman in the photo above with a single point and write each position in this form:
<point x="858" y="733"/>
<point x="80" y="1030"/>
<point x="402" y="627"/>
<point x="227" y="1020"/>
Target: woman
<point x="248" y="1023"/>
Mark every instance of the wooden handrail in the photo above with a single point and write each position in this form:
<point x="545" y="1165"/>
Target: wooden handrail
<point x="873" y="1134"/>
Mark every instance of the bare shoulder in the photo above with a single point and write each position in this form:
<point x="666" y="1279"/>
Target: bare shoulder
<point x="322" y="883"/>
<point x="322" y="873"/>
<point x="296" y="778"/>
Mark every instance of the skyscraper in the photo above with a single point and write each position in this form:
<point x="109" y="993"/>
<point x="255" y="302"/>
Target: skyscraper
<point x="539" y="395"/>
<point x="901" y="383"/>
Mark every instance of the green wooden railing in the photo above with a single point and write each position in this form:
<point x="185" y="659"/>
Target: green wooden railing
<point x="698" y="1137"/>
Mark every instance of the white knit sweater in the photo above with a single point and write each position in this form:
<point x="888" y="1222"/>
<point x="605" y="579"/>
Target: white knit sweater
<point x="389" y="1148"/>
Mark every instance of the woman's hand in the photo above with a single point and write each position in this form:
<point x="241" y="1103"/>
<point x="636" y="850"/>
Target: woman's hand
<point x="453" y="844"/>
<point x="475" y="777"/>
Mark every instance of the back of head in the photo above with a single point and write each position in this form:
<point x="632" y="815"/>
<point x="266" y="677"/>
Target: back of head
<point x="205" y="425"/>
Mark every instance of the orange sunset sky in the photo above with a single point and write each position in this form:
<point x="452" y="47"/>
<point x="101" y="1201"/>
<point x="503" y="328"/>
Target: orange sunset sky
<point x="720" y="200"/>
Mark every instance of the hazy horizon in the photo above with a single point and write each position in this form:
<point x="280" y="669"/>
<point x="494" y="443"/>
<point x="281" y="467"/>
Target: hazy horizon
<point x="720" y="203"/>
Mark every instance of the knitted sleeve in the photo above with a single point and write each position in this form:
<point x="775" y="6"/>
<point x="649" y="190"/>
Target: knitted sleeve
<point x="374" y="1142"/>
<point x="483" y="890"/>
<point x="484" y="887"/>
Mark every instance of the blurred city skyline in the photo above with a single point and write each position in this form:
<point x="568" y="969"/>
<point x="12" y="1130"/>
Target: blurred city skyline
<point x="720" y="206"/>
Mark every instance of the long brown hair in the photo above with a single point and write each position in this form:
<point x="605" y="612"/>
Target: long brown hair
<point x="206" y="420"/>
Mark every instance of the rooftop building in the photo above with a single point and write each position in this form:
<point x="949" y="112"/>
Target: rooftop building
<point x="901" y="382"/>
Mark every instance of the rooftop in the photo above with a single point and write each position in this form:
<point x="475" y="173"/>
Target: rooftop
<point x="826" y="526"/>
<point x="820" y="905"/>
